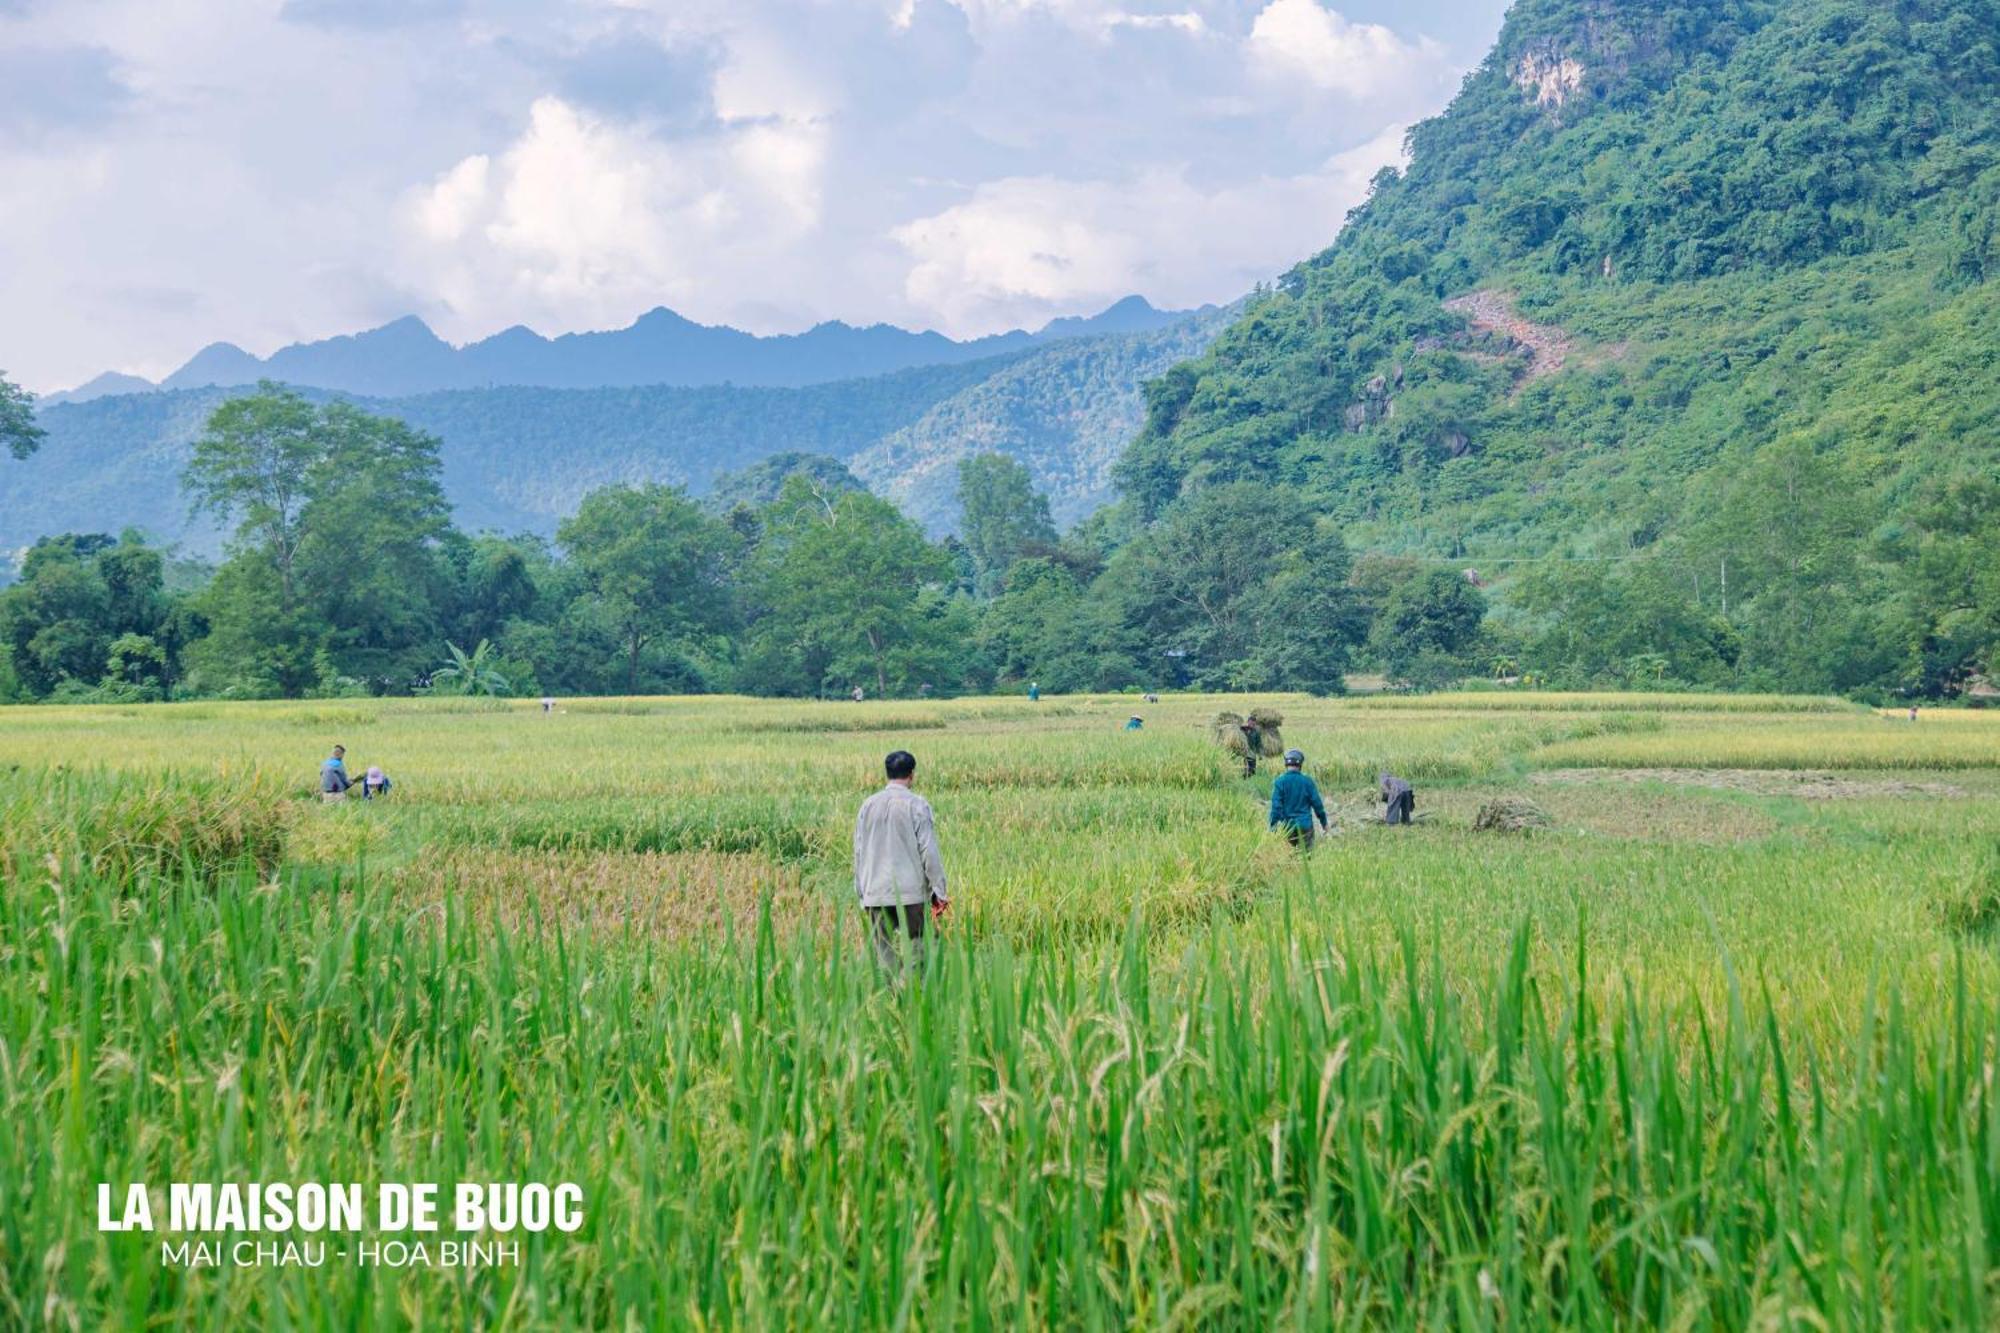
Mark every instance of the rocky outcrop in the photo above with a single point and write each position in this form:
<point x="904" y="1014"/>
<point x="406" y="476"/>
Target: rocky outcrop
<point x="1376" y="404"/>
<point x="1550" y="78"/>
<point x="1490" y="314"/>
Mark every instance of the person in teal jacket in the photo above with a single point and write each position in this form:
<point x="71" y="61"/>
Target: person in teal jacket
<point x="1296" y="803"/>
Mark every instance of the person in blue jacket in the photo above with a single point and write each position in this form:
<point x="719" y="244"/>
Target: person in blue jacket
<point x="1296" y="803"/>
<point x="333" y="779"/>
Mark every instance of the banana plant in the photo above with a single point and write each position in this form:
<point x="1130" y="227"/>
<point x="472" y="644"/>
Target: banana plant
<point x="471" y="673"/>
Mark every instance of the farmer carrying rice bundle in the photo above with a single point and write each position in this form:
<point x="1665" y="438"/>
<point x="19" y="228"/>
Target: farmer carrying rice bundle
<point x="1250" y="738"/>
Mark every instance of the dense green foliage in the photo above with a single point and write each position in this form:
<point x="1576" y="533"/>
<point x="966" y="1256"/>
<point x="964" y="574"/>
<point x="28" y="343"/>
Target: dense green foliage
<point x="344" y="576"/>
<point x="1681" y="316"/>
<point x="337" y="516"/>
<point x="92" y="615"/>
<point x="18" y="430"/>
<point x="759" y="484"/>
<point x="1004" y="518"/>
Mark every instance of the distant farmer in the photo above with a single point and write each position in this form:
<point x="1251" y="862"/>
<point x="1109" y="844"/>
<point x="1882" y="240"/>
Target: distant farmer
<point x="1296" y="803"/>
<point x="859" y="694"/>
<point x="548" y="704"/>
<point x="1134" y="723"/>
<point x="1152" y="698"/>
<point x="1399" y="800"/>
<point x="374" y="783"/>
<point x="1034" y="692"/>
<point x="333" y="779"/>
<point x="1253" y="741"/>
<point x="1913" y="712"/>
<point x="898" y="873"/>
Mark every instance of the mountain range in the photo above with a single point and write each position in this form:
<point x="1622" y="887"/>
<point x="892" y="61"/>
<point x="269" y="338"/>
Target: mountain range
<point x="404" y="357"/>
<point x="518" y="458"/>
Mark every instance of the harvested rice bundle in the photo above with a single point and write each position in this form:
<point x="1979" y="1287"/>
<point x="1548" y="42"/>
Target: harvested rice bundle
<point x="1227" y="731"/>
<point x="1267" y="721"/>
<point x="1234" y="734"/>
<point x="1511" y="814"/>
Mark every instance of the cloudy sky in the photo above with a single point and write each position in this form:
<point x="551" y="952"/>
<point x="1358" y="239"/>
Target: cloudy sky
<point x="174" y="172"/>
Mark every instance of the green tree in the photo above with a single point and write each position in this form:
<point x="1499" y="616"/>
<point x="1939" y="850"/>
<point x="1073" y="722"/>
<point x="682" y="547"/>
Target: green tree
<point x="1004" y="517"/>
<point x="653" y="567"/>
<point x="334" y="564"/>
<point x="255" y="464"/>
<point x="1949" y="578"/>
<point x="17" y="419"/>
<point x="89" y="612"/>
<point x="847" y="590"/>
<point x="759" y="484"/>
<point x="1789" y="529"/>
<point x="1239" y="586"/>
<point x="1049" y="626"/>
<point x="1597" y="624"/>
<point x="1426" y="631"/>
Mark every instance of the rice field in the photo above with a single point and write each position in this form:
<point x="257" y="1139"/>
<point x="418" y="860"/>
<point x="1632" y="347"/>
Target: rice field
<point x="1714" y="1050"/>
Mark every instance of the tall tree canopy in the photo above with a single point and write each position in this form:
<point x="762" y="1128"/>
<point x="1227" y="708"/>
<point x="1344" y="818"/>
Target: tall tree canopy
<point x="847" y="591"/>
<point x="18" y="430"/>
<point x="653" y="565"/>
<point x="333" y="568"/>
<point x="1004" y="517"/>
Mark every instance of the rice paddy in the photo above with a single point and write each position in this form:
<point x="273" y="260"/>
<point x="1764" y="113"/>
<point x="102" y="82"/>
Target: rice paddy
<point x="1714" y="1050"/>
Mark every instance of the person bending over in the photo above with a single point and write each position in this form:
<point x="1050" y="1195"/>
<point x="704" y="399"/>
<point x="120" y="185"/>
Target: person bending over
<point x="1399" y="800"/>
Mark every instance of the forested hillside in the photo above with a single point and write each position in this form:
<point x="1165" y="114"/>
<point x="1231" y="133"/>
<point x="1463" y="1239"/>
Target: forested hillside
<point x="515" y="459"/>
<point x="1067" y="412"/>
<point x="1680" y="327"/>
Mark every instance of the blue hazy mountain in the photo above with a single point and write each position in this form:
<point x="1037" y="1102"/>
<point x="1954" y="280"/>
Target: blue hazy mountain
<point x="520" y="457"/>
<point x="659" y="348"/>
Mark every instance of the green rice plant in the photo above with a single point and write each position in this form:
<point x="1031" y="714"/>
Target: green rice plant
<point x="1265" y="1126"/>
<point x="1601" y="701"/>
<point x="1971" y="906"/>
<point x="1697" y="1055"/>
<point x="123" y="826"/>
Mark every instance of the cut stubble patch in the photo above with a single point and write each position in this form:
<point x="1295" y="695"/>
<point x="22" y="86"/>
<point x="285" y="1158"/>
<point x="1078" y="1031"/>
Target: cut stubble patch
<point x="1806" y="784"/>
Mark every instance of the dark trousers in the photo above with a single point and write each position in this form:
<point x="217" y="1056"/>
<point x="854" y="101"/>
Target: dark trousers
<point x="1403" y="809"/>
<point x="1301" y="838"/>
<point x="896" y="935"/>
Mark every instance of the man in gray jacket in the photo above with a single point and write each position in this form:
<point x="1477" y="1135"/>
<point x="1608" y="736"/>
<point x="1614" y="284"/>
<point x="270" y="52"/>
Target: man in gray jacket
<point x="897" y="871"/>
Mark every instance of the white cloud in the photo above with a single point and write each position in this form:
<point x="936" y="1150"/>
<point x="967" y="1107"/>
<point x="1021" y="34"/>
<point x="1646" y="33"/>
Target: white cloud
<point x="967" y="164"/>
<point x="1187" y="22"/>
<point x="1023" y="249"/>
<point x="1302" y="40"/>
<point x="583" y="222"/>
<point x="449" y="208"/>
